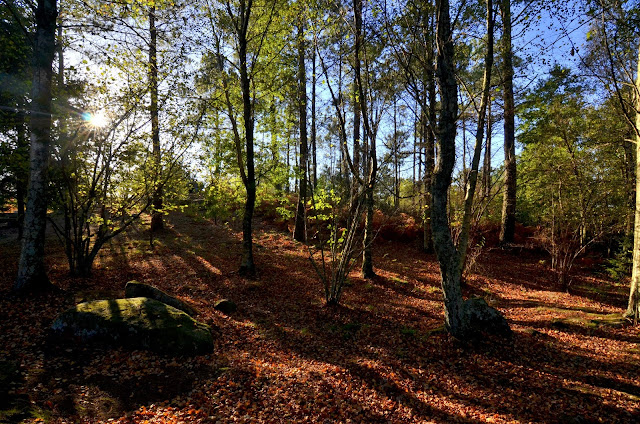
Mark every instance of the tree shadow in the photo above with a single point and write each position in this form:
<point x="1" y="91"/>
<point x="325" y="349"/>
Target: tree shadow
<point x="74" y="382"/>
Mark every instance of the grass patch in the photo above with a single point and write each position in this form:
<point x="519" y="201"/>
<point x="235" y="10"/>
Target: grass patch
<point x="431" y="289"/>
<point x="399" y="281"/>
<point x="590" y="321"/>
<point x="408" y="331"/>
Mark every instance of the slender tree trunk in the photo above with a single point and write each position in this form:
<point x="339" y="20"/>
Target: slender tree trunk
<point x="156" y="217"/>
<point x="633" y="307"/>
<point x="486" y="171"/>
<point x="357" y="107"/>
<point x="21" y="174"/>
<point x="396" y="161"/>
<point x="463" y="240"/>
<point x="287" y="188"/>
<point x="369" y="159"/>
<point x="344" y="166"/>
<point x="415" y="152"/>
<point x="429" y="136"/>
<point x="508" y="224"/>
<point x="60" y="57"/>
<point x="296" y="166"/>
<point x="367" y="253"/>
<point x="443" y="243"/>
<point x="31" y="269"/>
<point x="313" y="120"/>
<point x="247" y="266"/>
<point x="299" y="232"/>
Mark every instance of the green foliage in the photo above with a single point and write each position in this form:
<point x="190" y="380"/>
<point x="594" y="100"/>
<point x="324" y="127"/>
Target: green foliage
<point x="286" y="212"/>
<point x="324" y="205"/>
<point x="223" y="198"/>
<point x="619" y="266"/>
<point x="570" y="167"/>
<point x="15" y="60"/>
<point x="570" y="182"/>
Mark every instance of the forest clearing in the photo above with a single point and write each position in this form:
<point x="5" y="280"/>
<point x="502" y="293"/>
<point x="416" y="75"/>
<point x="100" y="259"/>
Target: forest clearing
<point x="282" y="211"/>
<point x="284" y="356"/>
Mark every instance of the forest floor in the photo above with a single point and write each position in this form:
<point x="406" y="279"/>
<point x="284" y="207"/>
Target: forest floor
<point x="286" y="357"/>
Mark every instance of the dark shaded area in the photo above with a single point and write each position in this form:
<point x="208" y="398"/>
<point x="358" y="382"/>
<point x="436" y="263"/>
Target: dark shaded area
<point x="73" y="384"/>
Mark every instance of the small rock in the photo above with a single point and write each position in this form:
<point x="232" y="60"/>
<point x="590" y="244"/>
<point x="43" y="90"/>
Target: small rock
<point x="137" y="289"/>
<point x="483" y="318"/>
<point x="225" y="306"/>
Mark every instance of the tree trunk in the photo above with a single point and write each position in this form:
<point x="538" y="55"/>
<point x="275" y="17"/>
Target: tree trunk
<point x="247" y="266"/>
<point x="396" y="160"/>
<point x="463" y="240"/>
<point x="430" y="141"/>
<point x="299" y="232"/>
<point x="367" y="253"/>
<point x="414" y="181"/>
<point x="443" y="243"/>
<point x="508" y="223"/>
<point x="156" y="217"/>
<point x="486" y="171"/>
<point x="633" y="307"/>
<point x="357" y="108"/>
<point x="429" y="137"/>
<point x="369" y="157"/>
<point x="313" y="120"/>
<point x="60" y="57"/>
<point x="463" y="319"/>
<point x="21" y="174"/>
<point x="31" y="270"/>
<point x="629" y="177"/>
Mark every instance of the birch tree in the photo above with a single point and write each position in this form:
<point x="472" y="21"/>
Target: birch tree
<point x="32" y="274"/>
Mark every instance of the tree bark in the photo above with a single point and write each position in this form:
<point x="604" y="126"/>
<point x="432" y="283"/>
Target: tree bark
<point x="396" y="160"/>
<point x="157" y="222"/>
<point x="508" y="223"/>
<point x="367" y="253"/>
<point x="247" y="266"/>
<point x="357" y="107"/>
<point x="21" y="173"/>
<point x="633" y="307"/>
<point x="313" y="120"/>
<point x="486" y="171"/>
<point x="629" y="176"/>
<point x="429" y="137"/>
<point x="443" y="243"/>
<point x="299" y="232"/>
<point x="369" y="158"/>
<point x="32" y="275"/>
<point x="430" y="140"/>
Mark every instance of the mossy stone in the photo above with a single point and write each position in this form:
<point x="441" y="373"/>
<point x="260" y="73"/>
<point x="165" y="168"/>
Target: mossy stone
<point x="138" y="323"/>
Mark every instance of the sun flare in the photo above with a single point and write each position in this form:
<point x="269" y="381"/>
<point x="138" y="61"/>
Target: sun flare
<point x="96" y="120"/>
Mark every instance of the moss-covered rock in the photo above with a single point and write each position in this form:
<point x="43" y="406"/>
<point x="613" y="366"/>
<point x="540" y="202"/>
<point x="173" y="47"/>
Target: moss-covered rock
<point x="136" y="289"/>
<point x="138" y="323"/>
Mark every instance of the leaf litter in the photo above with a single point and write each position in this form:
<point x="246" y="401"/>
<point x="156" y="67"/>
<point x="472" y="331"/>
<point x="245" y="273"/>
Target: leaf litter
<point x="284" y="357"/>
